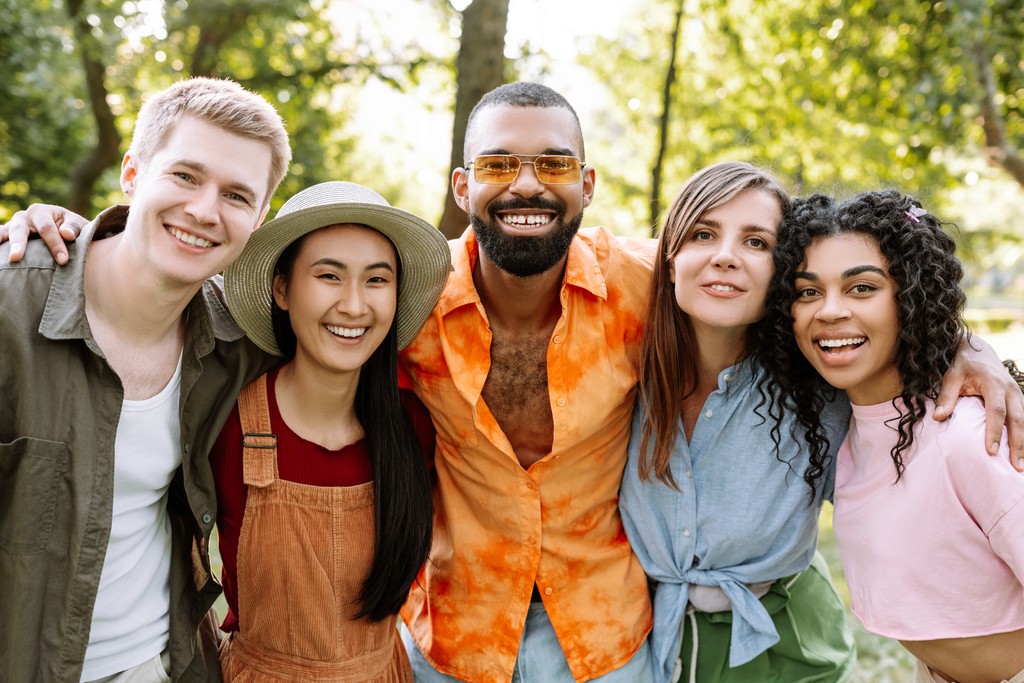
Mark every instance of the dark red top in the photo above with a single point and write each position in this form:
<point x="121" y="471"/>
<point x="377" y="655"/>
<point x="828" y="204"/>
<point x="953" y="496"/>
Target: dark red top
<point x="298" y="460"/>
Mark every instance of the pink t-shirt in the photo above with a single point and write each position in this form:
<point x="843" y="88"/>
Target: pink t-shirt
<point x="941" y="553"/>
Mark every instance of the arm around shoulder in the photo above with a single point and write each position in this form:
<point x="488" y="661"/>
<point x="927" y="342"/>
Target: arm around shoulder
<point x="55" y="225"/>
<point x="977" y="371"/>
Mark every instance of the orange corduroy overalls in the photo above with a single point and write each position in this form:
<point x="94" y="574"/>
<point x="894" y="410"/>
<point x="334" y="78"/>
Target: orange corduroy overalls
<point x="303" y="554"/>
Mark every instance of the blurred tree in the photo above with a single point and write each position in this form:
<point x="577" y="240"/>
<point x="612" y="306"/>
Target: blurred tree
<point x="998" y="145"/>
<point x="82" y="69"/>
<point x="663" y="120"/>
<point x="105" y="152"/>
<point x="480" y="67"/>
<point x="931" y="74"/>
<point x="829" y="94"/>
<point x="46" y="126"/>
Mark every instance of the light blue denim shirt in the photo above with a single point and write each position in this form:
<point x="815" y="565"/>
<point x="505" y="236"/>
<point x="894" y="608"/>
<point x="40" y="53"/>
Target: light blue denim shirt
<point x="742" y="515"/>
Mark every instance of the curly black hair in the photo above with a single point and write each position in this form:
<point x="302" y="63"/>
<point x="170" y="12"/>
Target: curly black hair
<point x="930" y="302"/>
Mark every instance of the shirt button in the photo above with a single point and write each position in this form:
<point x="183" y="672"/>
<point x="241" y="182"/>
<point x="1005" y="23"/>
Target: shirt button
<point x="547" y="591"/>
<point x="530" y="485"/>
<point x="708" y="413"/>
<point x="561" y="402"/>
<point x="188" y="447"/>
<point x="531" y="540"/>
<point x="686" y="532"/>
<point x="689" y="474"/>
<point x="207" y="518"/>
<point x="557" y="339"/>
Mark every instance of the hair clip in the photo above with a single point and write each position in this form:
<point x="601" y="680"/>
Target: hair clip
<point x="914" y="214"/>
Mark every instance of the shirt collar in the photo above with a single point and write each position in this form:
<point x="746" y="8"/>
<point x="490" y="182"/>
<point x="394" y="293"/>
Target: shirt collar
<point x="207" y="317"/>
<point x="582" y="270"/>
<point x="64" y="315"/>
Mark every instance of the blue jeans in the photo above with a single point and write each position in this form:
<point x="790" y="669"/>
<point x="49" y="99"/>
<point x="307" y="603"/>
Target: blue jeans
<point x="540" y="658"/>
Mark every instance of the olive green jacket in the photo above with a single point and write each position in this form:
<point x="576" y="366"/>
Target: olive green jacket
<point x="59" y="407"/>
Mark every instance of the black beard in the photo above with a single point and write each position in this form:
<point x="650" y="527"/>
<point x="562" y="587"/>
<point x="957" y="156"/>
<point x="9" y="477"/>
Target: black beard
<point x="525" y="255"/>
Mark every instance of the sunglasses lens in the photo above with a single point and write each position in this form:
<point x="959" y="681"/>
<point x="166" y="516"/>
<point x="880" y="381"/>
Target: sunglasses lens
<point x="553" y="170"/>
<point x="495" y="168"/>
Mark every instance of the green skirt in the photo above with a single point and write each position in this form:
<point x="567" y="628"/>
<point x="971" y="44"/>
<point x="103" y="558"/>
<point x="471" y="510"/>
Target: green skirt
<point x="815" y="645"/>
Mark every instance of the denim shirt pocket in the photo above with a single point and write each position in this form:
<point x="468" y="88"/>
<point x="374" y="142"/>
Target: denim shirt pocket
<point x="30" y="474"/>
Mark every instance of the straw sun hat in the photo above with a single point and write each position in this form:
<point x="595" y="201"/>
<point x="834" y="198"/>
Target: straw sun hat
<point x="423" y="254"/>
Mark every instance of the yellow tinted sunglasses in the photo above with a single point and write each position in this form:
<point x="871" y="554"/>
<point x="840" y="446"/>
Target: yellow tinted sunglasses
<point x="499" y="169"/>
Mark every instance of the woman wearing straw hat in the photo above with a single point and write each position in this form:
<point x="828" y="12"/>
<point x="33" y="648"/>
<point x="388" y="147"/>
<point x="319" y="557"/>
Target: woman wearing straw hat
<point x="324" y="508"/>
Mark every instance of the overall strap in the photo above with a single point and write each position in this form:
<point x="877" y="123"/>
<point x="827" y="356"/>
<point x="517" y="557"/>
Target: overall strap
<point x="259" y="444"/>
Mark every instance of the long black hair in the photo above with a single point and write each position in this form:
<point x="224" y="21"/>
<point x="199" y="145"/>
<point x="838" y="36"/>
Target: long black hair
<point x="403" y="509"/>
<point x="930" y="302"/>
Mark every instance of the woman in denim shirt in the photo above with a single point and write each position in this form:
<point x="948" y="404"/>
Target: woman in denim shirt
<point x="725" y="526"/>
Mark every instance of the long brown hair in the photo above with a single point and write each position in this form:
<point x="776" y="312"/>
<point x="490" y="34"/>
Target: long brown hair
<point x="668" y="364"/>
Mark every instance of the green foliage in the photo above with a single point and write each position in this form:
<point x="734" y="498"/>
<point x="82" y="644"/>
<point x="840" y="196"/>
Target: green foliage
<point x="292" y="51"/>
<point x="832" y="95"/>
<point x="43" y="108"/>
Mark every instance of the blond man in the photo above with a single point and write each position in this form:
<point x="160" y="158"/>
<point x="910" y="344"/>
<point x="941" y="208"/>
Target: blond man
<point x="117" y="372"/>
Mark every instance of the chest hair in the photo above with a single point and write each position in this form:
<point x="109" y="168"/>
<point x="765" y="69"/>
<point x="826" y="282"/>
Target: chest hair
<point x="516" y="392"/>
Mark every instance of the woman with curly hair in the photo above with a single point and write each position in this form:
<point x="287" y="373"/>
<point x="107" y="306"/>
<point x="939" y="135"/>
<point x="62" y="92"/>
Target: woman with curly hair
<point x="928" y="524"/>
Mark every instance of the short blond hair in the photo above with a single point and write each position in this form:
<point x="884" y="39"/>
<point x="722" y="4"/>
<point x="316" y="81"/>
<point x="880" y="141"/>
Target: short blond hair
<point x="219" y="102"/>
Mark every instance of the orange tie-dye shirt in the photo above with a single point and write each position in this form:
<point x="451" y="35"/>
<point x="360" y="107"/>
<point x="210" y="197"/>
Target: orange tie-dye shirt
<point x="499" y="529"/>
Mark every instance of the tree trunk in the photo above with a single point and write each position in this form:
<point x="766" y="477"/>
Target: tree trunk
<point x="217" y="23"/>
<point x="207" y="51"/>
<point x="666" y="105"/>
<point x="106" y="152"/>
<point x="997" y="148"/>
<point x="480" y="68"/>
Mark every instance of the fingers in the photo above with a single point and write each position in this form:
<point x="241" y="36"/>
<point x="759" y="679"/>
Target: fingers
<point x="995" y="420"/>
<point x="51" y="236"/>
<point x="949" y="392"/>
<point x="54" y="225"/>
<point x="17" y="233"/>
<point x="1015" y="428"/>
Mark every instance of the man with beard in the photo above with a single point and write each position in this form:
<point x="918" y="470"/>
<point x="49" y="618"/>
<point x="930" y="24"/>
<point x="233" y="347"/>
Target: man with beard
<point x="527" y="365"/>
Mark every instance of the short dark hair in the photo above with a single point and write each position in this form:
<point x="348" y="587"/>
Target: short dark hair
<point x="520" y="94"/>
<point x="929" y="299"/>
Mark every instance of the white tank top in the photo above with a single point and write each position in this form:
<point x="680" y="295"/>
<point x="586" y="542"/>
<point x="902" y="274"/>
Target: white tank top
<point x="131" y="619"/>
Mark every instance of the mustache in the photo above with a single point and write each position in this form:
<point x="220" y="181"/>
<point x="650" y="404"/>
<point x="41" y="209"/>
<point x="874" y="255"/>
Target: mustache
<point x="519" y="203"/>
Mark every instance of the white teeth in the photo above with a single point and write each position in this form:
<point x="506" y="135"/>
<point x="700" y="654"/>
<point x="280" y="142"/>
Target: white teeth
<point x="189" y="239"/>
<point x="723" y="288"/>
<point x="347" y="332"/>
<point x="835" y="343"/>
<point x="527" y="219"/>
